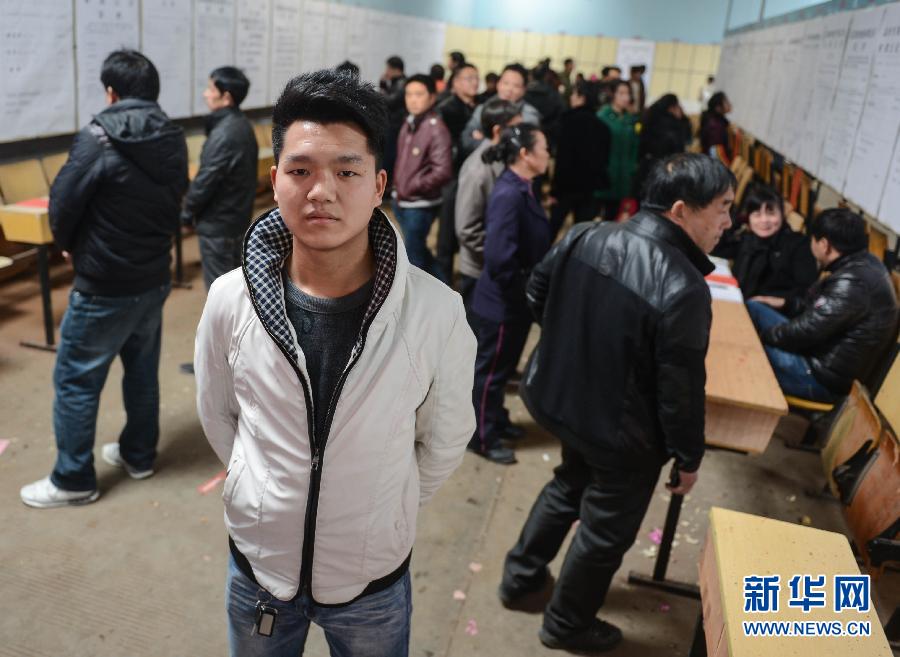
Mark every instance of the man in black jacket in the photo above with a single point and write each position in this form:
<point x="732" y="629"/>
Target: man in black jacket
<point x="114" y="209"/>
<point x="220" y="198"/>
<point x="619" y="377"/>
<point x="843" y="326"/>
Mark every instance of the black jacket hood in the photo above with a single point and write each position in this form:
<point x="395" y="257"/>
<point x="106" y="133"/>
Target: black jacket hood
<point x="143" y="134"/>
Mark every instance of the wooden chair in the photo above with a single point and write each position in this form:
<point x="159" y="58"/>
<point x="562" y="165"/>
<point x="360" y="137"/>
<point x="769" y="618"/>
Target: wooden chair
<point x="855" y="424"/>
<point x="795" y="220"/>
<point x="888" y="398"/>
<point x="743" y="181"/>
<point x="20" y="181"/>
<point x="877" y="242"/>
<point x="737" y="165"/>
<point x="51" y="164"/>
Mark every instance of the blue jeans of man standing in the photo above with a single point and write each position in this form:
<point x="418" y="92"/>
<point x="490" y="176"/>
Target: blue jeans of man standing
<point x="375" y="625"/>
<point x="415" y="223"/>
<point x="96" y="329"/>
<point x="792" y="371"/>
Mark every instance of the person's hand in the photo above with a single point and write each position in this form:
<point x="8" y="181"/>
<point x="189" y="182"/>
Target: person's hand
<point x="774" y="302"/>
<point x="67" y="256"/>
<point x="686" y="481"/>
<point x="551" y="200"/>
<point x="477" y="135"/>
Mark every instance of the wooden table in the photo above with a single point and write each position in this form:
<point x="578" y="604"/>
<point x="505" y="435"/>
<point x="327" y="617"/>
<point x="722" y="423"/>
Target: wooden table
<point x="739" y="545"/>
<point x="743" y="405"/>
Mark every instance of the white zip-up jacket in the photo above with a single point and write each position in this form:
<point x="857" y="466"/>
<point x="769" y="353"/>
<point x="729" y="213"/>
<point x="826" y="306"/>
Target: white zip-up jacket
<point x="339" y="512"/>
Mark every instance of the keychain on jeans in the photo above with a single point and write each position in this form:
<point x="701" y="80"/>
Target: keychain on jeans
<point x="264" y="622"/>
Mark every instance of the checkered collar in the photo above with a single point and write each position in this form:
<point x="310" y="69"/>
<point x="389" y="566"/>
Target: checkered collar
<point x="267" y="245"/>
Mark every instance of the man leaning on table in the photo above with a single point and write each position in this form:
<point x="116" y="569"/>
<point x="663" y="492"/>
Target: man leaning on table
<point x="625" y="314"/>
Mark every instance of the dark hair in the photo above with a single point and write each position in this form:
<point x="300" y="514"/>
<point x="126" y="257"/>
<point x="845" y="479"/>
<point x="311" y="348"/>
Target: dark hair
<point x="568" y="60"/>
<point x="348" y="67"/>
<point x="459" y="69"/>
<point x="512" y="139"/>
<point x="540" y="72"/>
<point x="587" y="90"/>
<point x="613" y="86"/>
<point x="232" y="80"/>
<point x="760" y="197"/>
<point x="130" y="74"/>
<point x="457" y="58"/>
<point x="710" y="79"/>
<point x="693" y="178"/>
<point x="437" y="72"/>
<point x="421" y="78"/>
<point x="844" y="230"/>
<point x="395" y="62"/>
<point x="606" y="70"/>
<point x="497" y="112"/>
<point x="662" y="105"/>
<point x="491" y="77"/>
<point x="518" y="68"/>
<point x="716" y="101"/>
<point x="331" y="96"/>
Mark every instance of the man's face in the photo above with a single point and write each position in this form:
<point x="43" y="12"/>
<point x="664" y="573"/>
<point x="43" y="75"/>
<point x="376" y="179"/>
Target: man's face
<point x="418" y="99"/>
<point x="214" y="98"/>
<point x="326" y="184"/>
<point x="705" y="225"/>
<point x="614" y="74"/>
<point x="568" y="67"/>
<point x="820" y="249"/>
<point x="511" y="86"/>
<point x="465" y="84"/>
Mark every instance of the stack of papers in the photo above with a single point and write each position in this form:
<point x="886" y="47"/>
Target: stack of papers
<point x="722" y="285"/>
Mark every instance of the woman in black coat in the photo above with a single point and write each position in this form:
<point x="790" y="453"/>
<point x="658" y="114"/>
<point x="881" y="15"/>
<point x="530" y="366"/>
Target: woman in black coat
<point x="770" y="259"/>
<point x="665" y="130"/>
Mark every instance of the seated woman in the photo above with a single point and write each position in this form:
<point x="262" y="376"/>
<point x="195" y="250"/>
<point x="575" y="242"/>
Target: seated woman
<point x="770" y="259"/>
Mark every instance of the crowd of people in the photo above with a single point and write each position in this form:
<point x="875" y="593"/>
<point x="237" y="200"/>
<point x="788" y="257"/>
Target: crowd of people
<point x="340" y="377"/>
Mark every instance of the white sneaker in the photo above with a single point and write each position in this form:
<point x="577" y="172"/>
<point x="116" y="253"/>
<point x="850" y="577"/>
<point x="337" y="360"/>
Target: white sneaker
<point x="111" y="455"/>
<point x="43" y="494"/>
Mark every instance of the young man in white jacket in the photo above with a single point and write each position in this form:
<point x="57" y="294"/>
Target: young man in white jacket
<point x="335" y="380"/>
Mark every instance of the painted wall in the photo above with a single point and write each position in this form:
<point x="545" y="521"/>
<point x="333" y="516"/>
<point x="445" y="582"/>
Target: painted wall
<point x="451" y="11"/>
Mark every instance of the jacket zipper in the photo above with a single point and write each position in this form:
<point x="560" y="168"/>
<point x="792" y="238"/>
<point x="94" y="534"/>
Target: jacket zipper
<point x="316" y="462"/>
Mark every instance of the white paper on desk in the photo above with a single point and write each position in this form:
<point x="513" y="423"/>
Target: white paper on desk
<point x="37" y="72"/>
<point x="285" y="46"/>
<point x="166" y="40"/>
<point x="849" y="96"/>
<point x="723" y="292"/>
<point x="880" y="119"/>
<point x="251" y="48"/>
<point x="722" y="268"/>
<point x="213" y="44"/>
<point x="99" y="30"/>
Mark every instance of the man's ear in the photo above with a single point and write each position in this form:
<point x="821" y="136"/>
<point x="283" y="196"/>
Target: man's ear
<point x="380" y="186"/>
<point x="273" y="173"/>
<point x="677" y="210"/>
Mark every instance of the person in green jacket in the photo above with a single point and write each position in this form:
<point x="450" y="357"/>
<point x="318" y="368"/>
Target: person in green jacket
<point x="623" y="149"/>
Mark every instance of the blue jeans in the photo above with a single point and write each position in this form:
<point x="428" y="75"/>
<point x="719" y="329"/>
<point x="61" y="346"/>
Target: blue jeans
<point x="376" y="625"/>
<point x="94" y="330"/>
<point x="416" y="224"/>
<point x="792" y="371"/>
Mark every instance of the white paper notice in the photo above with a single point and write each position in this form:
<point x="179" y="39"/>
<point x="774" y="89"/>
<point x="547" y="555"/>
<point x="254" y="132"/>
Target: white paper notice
<point x="251" y="48"/>
<point x="636" y="52"/>
<point x="800" y="94"/>
<point x="37" y="73"/>
<point x="100" y="28"/>
<point x="336" y="34"/>
<point x="889" y="209"/>
<point x="880" y="119"/>
<point x="284" y="62"/>
<point x="833" y="38"/>
<point x="850" y="96"/>
<point x="784" y="100"/>
<point x="358" y="44"/>
<point x="312" y="35"/>
<point x="166" y="40"/>
<point x="213" y="44"/>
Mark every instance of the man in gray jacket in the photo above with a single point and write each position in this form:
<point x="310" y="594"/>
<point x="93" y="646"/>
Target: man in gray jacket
<point x="476" y="180"/>
<point x="220" y="198"/>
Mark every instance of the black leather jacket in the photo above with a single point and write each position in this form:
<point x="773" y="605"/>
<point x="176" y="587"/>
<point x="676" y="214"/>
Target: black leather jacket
<point x="115" y="203"/>
<point x="844" y="324"/>
<point x="619" y="373"/>
<point x="221" y="195"/>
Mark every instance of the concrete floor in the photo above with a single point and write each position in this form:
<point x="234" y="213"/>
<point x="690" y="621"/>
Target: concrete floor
<point x="141" y="572"/>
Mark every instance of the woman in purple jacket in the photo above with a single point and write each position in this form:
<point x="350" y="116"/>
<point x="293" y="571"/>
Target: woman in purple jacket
<point x="517" y="236"/>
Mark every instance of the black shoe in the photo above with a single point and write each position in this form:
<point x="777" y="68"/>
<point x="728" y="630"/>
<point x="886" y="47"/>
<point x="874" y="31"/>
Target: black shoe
<point x="599" y="637"/>
<point x="502" y="455"/>
<point x="513" y="432"/>
<point x="530" y="602"/>
<point x="186" y="368"/>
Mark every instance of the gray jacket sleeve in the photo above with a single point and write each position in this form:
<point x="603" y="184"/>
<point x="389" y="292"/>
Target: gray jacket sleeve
<point x="467" y="139"/>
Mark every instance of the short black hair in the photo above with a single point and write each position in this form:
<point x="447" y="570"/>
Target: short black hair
<point x="518" y="68"/>
<point x="232" y="80"/>
<point x="568" y="60"/>
<point x="421" y="78"/>
<point x="845" y="230"/>
<point x="512" y="140"/>
<point x="395" y="62"/>
<point x="437" y="72"/>
<point x="491" y="77"/>
<point x="760" y="197"/>
<point x="331" y="96"/>
<point x="588" y="90"/>
<point x="457" y="57"/>
<point x="716" y="101"/>
<point x="606" y="69"/>
<point x="348" y="67"/>
<point x="130" y="74"/>
<point x="497" y="112"/>
<point x="693" y="178"/>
